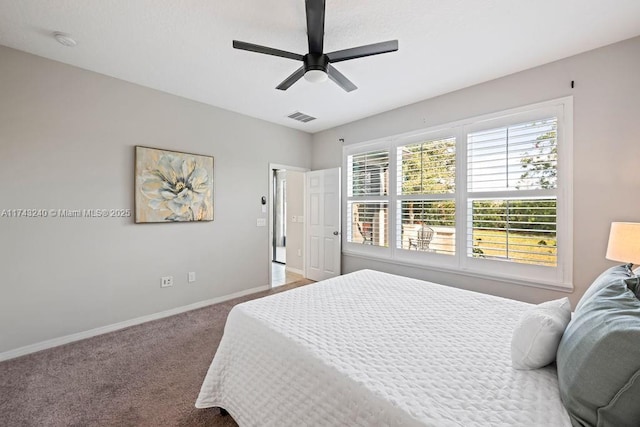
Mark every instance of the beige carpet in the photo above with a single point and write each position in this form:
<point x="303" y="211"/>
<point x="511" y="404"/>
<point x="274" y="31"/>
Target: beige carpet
<point x="145" y="375"/>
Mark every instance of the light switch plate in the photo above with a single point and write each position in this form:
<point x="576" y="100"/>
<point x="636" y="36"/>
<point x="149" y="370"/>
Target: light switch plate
<point x="261" y="222"/>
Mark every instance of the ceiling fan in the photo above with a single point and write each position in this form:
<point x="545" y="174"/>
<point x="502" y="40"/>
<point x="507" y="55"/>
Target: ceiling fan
<point x="317" y="64"/>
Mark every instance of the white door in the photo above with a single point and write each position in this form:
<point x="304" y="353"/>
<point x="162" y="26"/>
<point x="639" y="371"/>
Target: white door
<point x="323" y="227"/>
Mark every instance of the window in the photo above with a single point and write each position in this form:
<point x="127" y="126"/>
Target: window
<point x="489" y="196"/>
<point x="518" y="163"/>
<point x="368" y="191"/>
<point x="426" y="196"/>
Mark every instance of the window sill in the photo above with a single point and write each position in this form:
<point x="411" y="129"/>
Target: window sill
<point x="510" y="280"/>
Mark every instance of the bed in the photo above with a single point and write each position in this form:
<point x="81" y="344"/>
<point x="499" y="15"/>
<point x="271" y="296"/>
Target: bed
<point x="375" y="349"/>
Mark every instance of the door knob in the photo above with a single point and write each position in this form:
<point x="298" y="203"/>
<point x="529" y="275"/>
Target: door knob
<point x="335" y="233"/>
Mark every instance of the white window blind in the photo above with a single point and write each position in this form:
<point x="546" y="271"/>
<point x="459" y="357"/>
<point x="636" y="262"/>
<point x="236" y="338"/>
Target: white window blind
<point x="515" y="230"/>
<point x="519" y="157"/>
<point x="519" y="164"/>
<point x="428" y="167"/>
<point x="368" y="203"/>
<point x="427" y="225"/>
<point x="369" y="223"/>
<point x="426" y="196"/>
<point x="368" y="174"/>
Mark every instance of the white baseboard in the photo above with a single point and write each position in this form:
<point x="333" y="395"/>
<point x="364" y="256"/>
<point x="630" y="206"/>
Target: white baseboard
<point x="293" y="270"/>
<point x="43" y="345"/>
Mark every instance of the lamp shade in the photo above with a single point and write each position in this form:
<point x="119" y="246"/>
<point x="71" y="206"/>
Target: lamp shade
<point x="624" y="242"/>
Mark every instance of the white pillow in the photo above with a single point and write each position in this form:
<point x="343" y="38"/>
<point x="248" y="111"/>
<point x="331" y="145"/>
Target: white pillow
<point x="537" y="335"/>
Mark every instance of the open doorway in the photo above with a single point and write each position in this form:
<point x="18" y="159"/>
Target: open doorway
<point x="286" y="224"/>
<point x="279" y="240"/>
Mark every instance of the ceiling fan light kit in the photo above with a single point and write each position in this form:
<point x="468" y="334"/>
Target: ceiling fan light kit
<point x="316" y="76"/>
<point x="316" y="65"/>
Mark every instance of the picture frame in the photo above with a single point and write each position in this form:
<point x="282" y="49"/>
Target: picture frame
<point x="172" y="186"/>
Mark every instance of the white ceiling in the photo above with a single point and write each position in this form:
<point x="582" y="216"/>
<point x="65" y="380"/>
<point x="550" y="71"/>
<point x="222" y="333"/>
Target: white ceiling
<point x="183" y="47"/>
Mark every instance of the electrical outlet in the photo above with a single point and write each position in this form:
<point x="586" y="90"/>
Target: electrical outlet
<point x="166" y="281"/>
<point x="299" y="252"/>
<point x="191" y="277"/>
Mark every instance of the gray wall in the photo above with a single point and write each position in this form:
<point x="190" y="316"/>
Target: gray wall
<point x="606" y="176"/>
<point x="67" y="140"/>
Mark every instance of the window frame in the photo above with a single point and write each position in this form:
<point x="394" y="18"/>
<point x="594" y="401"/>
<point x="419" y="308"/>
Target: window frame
<point x="415" y="257"/>
<point x="347" y="225"/>
<point x="556" y="278"/>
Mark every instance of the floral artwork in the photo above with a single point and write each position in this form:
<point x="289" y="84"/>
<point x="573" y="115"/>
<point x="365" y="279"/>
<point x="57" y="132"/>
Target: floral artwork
<point x="173" y="186"/>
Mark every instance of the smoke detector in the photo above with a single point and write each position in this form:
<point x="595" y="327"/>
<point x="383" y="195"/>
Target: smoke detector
<point x="64" y="39"/>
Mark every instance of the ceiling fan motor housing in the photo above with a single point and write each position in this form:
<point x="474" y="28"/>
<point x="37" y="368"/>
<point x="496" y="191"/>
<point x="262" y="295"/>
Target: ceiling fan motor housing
<point x="315" y="61"/>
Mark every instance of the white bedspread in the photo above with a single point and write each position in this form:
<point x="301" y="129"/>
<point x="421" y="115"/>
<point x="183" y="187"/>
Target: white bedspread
<point x="374" y="349"/>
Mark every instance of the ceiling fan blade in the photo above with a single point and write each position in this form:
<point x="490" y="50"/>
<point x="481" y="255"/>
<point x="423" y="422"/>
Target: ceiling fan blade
<point x="362" y="51"/>
<point x="340" y="79"/>
<point x="266" y="50"/>
<point x="286" y="84"/>
<point x="315" y="25"/>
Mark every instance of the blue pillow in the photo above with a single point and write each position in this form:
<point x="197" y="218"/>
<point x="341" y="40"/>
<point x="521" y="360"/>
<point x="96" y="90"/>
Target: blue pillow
<point x="633" y="283"/>
<point x="608" y="277"/>
<point x="598" y="358"/>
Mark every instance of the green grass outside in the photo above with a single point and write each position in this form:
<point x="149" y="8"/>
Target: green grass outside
<point x="525" y="248"/>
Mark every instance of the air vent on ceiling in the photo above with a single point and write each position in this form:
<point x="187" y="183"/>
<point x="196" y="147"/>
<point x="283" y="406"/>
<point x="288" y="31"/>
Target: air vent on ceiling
<point x="301" y="117"/>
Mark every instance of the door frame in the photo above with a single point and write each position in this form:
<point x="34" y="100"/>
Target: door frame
<point x="270" y="202"/>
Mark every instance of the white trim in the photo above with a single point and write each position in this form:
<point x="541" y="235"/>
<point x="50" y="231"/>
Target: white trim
<point x="273" y="166"/>
<point x="55" y="342"/>
<point x="556" y="278"/>
<point x="468" y="273"/>
<point x="565" y="174"/>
